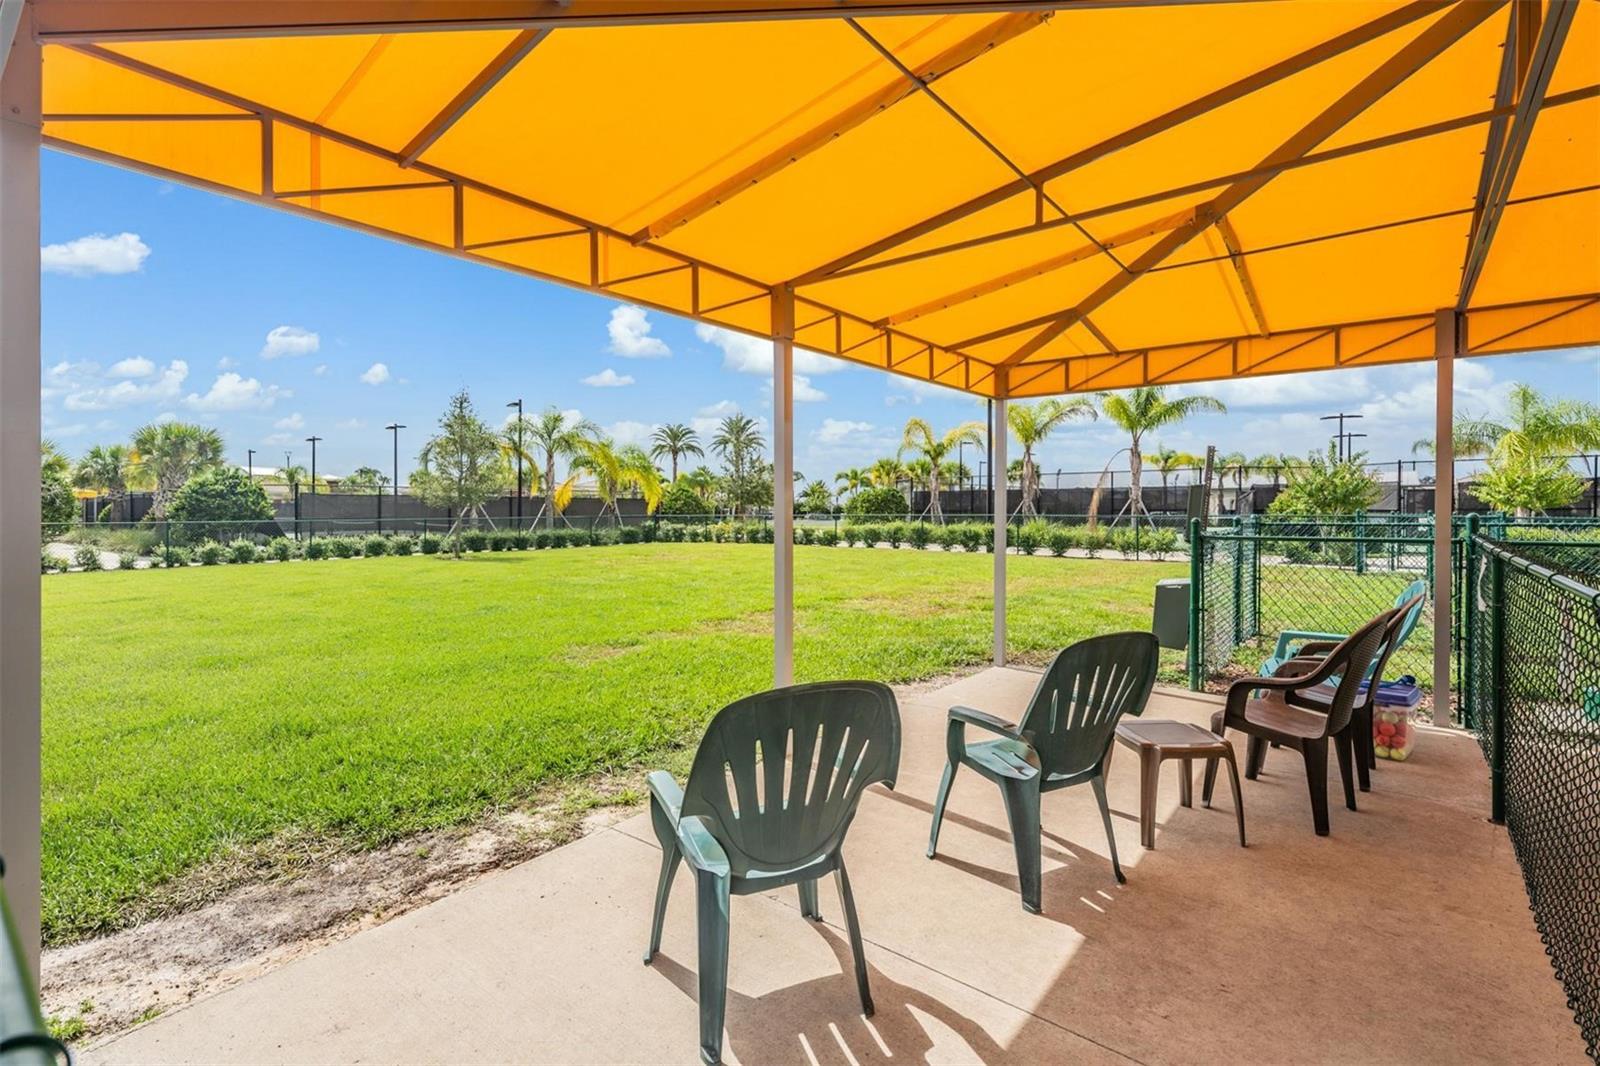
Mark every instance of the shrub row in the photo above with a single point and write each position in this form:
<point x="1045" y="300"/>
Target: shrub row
<point x="1031" y="538"/>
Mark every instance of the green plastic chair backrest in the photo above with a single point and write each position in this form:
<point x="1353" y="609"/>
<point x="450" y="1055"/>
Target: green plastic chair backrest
<point x="1086" y="690"/>
<point x="1413" y="591"/>
<point x="779" y="773"/>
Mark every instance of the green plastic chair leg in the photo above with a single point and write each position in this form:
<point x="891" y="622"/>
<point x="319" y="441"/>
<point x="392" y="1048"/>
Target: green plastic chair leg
<point x="808" y="901"/>
<point x="711" y="893"/>
<point x="669" y="867"/>
<point x="849" y="901"/>
<point x="1022" y="810"/>
<point x="1099" y="784"/>
<point x="938" y="807"/>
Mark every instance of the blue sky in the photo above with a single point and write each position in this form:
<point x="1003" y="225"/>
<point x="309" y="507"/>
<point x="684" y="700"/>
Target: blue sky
<point x="162" y="301"/>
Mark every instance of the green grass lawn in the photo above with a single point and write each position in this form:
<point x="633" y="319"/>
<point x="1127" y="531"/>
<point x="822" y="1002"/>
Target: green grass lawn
<point x="191" y="712"/>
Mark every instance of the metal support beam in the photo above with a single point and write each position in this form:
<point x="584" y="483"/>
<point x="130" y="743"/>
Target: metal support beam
<point x="19" y="479"/>
<point x="1447" y="345"/>
<point x="953" y="58"/>
<point x="486" y="79"/>
<point x="1230" y="241"/>
<point x="997" y="465"/>
<point x="782" y="486"/>
<point x="1416" y="53"/>
<point x="1500" y="167"/>
<point x="1276" y="72"/>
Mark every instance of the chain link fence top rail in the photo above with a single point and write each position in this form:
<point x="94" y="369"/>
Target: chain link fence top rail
<point x="1533" y="697"/>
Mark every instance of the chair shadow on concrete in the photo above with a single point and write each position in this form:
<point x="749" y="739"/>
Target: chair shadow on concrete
<point x="819" y="1022"/>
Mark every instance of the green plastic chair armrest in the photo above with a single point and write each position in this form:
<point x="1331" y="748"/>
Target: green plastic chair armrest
<point x="665" y="790"/>
<point x="984" y="720"/>
<point x="700" y="848"/>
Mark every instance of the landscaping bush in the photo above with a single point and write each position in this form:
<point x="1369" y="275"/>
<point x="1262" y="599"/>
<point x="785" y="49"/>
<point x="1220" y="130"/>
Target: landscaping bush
<point x="543" y="538"/>
<point x="220" y="504"/>
<point x="971" y="536"/>
<point x="804" y="535"/>
<point x="877" y="503"/>
<point x="871" y="535"/>
<point x="1161" y="543"/>
<point x="828" y="538"/>
<point x="51" y="564"/>
<point x="210" y="553"/>
<point x="600" y="538"/>
<point x="58" y="507"/>
<point x="377" y="544"/>
<point x="86" y="558"/>
<point x="896" y="533"/>
<point x="498" y="540"/>
<point x="681" y="499"/>
<point x="630" y="535"/>
<point x="174" y="556"/>
<point x="1030" y="536"/>
<point x="400" y="544"/>
<point x="919" y="535"/>
<point x="851" y="535"/>
<point x="281" y="549"/>
<point x="317" y="549"/>
<point x="1127" y="541"/>
<point x="648" y="533"/>
<point x="474" y="540"/>
<point x="344" y="547"/>
<point x="242" y="551"/>
<point x="759" y="535"/>
<point x="521" y="539"/>
<point x="430" y="543"/>
<point x="1092" y="541"/>
<point x="127" y="561"/>
<point x="1059" y="540"/>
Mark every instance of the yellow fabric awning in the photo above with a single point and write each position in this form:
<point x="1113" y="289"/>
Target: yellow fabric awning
<point x="1009" y="199"/>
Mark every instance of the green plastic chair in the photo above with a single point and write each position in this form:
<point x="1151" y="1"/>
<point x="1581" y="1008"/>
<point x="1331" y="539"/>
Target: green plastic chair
<point x="1064" y="740"/>
<point x="771" y="793"/>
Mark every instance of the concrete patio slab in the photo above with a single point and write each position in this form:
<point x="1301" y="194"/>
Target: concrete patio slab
<point x="1404" y="937"/>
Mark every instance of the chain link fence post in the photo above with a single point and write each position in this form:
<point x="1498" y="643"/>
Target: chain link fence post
<point x="1497" y="693"/>
<point x="1195" y="571"/>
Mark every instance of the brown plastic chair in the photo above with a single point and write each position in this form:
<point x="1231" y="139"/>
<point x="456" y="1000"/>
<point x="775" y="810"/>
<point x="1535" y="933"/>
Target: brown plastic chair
<point x="1289" y="716"/>
<point x="1360" y="728"/>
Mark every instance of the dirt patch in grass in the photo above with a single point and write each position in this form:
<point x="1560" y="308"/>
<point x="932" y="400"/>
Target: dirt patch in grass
<point x="261" y="907"/>
<point x="753" y="624"/>
<point x="588" y="654"/>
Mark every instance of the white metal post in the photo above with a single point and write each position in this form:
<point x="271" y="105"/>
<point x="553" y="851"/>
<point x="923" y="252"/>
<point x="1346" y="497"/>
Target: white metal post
<point x="1447" y="341"/>
<point x="19" y="481"/>
<point x="783" y="486"/>
<point x="997" y="467"/>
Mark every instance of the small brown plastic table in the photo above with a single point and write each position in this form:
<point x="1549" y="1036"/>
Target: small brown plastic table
<point x="1157" y="740"/>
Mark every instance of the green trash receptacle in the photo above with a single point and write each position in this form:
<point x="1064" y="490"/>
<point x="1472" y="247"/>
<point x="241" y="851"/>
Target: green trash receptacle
<point x="1171" y="622"/>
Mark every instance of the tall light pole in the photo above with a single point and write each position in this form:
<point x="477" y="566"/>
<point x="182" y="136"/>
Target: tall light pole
<point x="395" y="428"/>
<point x="517" y="403"/>
<point x="250" y="463"/>
<point x="313" y="442"/>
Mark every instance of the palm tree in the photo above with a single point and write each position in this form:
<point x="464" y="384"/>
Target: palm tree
<point x="1275" y="464"/>
<point x="702" y="481"/>
<point x="739" y="444"/>
<point x="852" y="480"/>
<point x="675" y="440"/>
<point x="105" y="468"/>
<point x="615" y="471"/>
<point x="886" y="473"/>
<point x="555" y="436"/>
<point x="516" y="440"/>
<point x="1138" y="411"/>
<point x="1169" y="461"/>
<point x="934" y="450"/>
<point x="170" y="453"/>
<point x="1031" y="424"/>
<point x="53" y="462"/>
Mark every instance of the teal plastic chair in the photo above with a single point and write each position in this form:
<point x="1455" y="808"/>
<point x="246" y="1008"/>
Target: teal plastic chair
<point x="1294" y="643"/>
<point x="770" y="795"/>
<point x="1064" y="740"/>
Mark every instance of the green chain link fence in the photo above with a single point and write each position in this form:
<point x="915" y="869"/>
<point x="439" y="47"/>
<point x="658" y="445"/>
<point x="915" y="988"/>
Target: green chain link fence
<point x="1532" y="695"/>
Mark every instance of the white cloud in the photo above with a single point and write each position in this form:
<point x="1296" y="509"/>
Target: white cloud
<point x="227" y="362"/>
<point x="1288" y="390"/>
<point x="96" y="254"/>
<point x="720" y="409"/>
<point x="321" y="370"/>
<point x="805" y="392"/>
<point x="376" y="374"/>
<point x="230" y="392"/>
<point x="608" y="379"/>
<point x="629" y="330"/>
<point x="136" y="367"/>
<point x="745" y="354"/>
<point x="290" y="341"/>
<point x="294" y="421"/>
<point x="353" y="423"/>
<point x="836" y="430"/>
<point x="84" y="390"/>
<point x="627" y="432"/>
<point x="912" y="391"/>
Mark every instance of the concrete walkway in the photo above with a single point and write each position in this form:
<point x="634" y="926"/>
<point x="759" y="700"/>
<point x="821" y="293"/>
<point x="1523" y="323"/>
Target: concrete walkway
<point x="1404" y="937"/>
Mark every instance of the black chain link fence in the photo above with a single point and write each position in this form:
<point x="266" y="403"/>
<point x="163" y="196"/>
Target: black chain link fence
<point x="1533" y="697"/>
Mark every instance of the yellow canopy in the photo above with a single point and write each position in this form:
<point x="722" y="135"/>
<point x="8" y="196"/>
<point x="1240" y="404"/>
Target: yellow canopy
<point x="1006" y="198"/>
